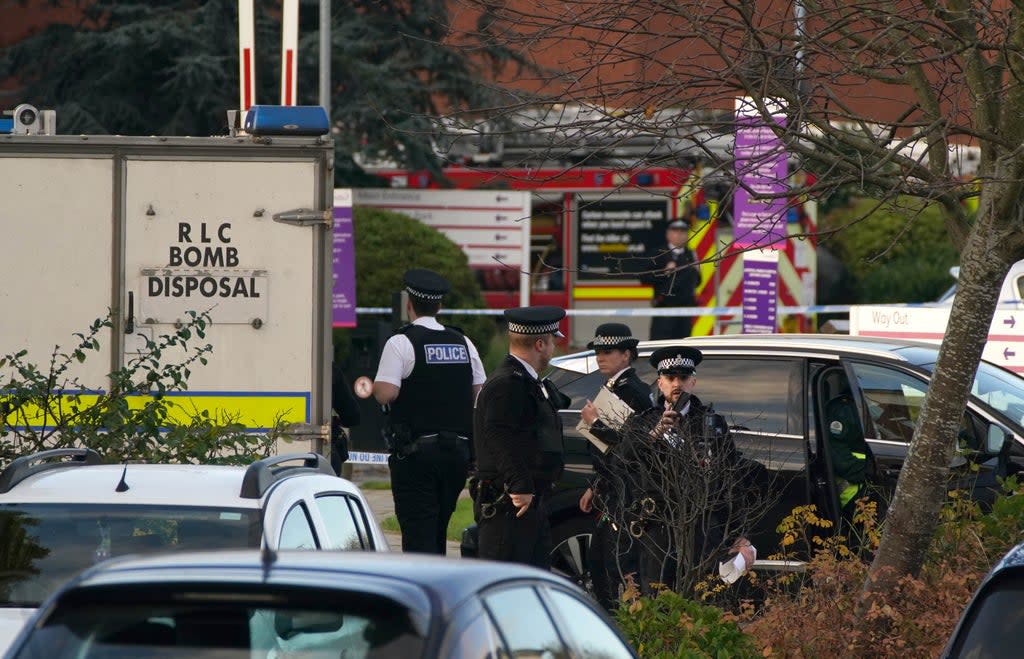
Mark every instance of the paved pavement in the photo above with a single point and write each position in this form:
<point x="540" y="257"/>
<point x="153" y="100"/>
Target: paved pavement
<point x="383" y="505"/>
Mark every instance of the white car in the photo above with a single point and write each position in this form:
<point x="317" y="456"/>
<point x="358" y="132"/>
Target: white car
<point x="63" y="510"/>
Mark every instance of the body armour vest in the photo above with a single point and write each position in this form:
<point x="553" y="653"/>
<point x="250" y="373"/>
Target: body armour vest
<point x="438" y="394"/>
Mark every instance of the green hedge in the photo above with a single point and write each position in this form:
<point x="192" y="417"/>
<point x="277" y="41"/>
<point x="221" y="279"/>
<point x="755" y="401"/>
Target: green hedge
<point x="897" y="252"/>
<point x="386" y="245"/>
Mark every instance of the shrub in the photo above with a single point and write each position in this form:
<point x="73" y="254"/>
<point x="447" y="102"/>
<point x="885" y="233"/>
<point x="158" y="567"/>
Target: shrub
<point x="896" y="252"/>
<point x="386" y="245"/>
<point x="669" y="625"/>
<point x="821" y="617"/>
<point x="128" y="418"/>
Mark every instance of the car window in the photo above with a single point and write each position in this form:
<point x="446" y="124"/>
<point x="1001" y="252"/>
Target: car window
<point x="342" y="519"/>
<point x="150" y="627"/>
<point x="45" y="544"/>
<point x="475" y="637"/>
<point x="994" y="626"/>
<point x="754" y="392"/>
<point x="893" y="400"/>
<point x="297" y="530"/>
<point x="585" y="630"/>
<point x="524" y="624"/>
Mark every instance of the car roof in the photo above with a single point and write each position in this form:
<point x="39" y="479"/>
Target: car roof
<point x="148" y="484"/>
<point x="911" y="352"/>
<point x="415" y="580"/>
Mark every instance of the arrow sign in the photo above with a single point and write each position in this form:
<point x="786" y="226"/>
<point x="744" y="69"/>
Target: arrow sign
<point x="501" y="218"/>
<point x="1009" y="321"/>
<point x="501" y="198"/>
<point x="1007" y="353"/>
<point x="499" y="236"/>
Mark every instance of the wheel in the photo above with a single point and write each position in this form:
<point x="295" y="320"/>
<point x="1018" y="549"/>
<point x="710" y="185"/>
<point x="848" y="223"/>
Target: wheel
<point x="570" y="540"/>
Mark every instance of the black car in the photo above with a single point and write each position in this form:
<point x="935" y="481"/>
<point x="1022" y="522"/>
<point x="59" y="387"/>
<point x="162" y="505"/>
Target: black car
<point x="992" y="625"/>
<point x="243" y="604"/>
<point x="772" y="390"/>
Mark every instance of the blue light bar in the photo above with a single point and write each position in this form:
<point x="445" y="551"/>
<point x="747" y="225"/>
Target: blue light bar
<point x="6" y="125"/>
<point x="287" y="120"/>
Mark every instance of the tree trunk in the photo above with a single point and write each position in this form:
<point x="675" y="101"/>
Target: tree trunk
<point x="921" y="490"/>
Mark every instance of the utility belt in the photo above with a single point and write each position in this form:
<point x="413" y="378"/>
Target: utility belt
<point x="444" y="439"/>
<point x="493" y="497"/>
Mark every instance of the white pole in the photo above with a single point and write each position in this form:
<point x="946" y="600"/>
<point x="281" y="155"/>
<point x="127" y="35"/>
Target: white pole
<point x="246" y="58"/>
<point x="289" y="50"/>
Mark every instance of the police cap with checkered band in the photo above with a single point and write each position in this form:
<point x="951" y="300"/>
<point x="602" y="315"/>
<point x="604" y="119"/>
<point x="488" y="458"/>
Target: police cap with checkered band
<point x="676" y="360"/>
<point x="425" y="284"/>
<point x="535" y="320"/>
<point x="613" y="336"/>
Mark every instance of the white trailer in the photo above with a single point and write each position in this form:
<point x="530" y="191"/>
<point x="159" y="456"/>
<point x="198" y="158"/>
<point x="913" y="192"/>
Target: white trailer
<point x="150" y="228"/>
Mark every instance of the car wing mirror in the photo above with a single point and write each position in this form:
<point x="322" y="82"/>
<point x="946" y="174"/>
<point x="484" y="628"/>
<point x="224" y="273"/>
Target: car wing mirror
<point x="998" y="439"/>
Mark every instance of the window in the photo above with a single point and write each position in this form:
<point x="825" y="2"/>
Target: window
<point x="342" y="519"/>
<point x="524" y="623"/>
<point x="893" y="400"/>
<point x="588" y="632"/>
<point x="994" y="626"/>
<point x="472" y="635"/>
<point x="297" y="530"/>
<point x="756" y="393"/>
<point x="212" y="621"/>
<point x="48" y="543"/>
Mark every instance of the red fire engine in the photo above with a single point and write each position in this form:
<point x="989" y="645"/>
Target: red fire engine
<point x="593" y="228"/>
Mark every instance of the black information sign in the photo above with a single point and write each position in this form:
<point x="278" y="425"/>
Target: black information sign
<point x="619" y="236"/>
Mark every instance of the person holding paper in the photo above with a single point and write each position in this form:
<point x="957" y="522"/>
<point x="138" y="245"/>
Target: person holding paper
<point x="616" y="350"/>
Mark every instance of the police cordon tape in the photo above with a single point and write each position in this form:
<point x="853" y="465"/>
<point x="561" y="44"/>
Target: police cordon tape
<point x="639" y="311"/>
<point x="369" y="457"/>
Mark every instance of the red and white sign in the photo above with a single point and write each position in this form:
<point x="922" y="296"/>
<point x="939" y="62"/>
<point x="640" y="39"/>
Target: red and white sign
<point x="1005" y="345"/>
<point x="491" y="226"/>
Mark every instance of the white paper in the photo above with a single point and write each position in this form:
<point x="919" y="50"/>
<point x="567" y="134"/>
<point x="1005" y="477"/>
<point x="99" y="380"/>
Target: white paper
<point x="584" y="429"/>
<point x="735" y="568"/>
<point x="611" y="409"/>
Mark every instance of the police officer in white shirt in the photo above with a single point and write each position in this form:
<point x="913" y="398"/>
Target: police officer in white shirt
<point x="429" y="375"/>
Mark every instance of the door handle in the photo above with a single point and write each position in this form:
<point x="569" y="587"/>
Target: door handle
<point x="129" y="323"/>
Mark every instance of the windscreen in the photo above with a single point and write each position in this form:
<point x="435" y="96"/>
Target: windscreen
<point x="43" y="545"/>
<point x="226" y="624"/>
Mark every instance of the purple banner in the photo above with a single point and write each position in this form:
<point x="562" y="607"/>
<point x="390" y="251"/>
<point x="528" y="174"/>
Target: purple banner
<point x="760" y="292"/>
<point x="762" y="169"/>
<point x="344" y="290"/>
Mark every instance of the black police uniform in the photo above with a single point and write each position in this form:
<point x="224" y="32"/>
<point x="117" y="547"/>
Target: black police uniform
<point x="518" y="440"/>
<point x="345" y="415"/>
<point x="430" y="424"/>
<point x="612" y="553"/>
<point x="655" y="460"/>
<point x="428" y="474"/>
<point x="673" y="288"/>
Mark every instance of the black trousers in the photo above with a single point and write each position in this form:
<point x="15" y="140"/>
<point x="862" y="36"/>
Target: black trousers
<point x="671" y="327"/>
<point x="426" y="486"/>
<point x="613" y="555"/>
<point x="526" y="539"/>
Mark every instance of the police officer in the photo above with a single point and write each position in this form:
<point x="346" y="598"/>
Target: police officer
<point x="610" y="556"/>
<point x="675" y="277"/>
<point x="679" y="438"/>
<point x="344" y="415"/>
<point x="429" y="374"/>
<point x="518" y="439"/>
